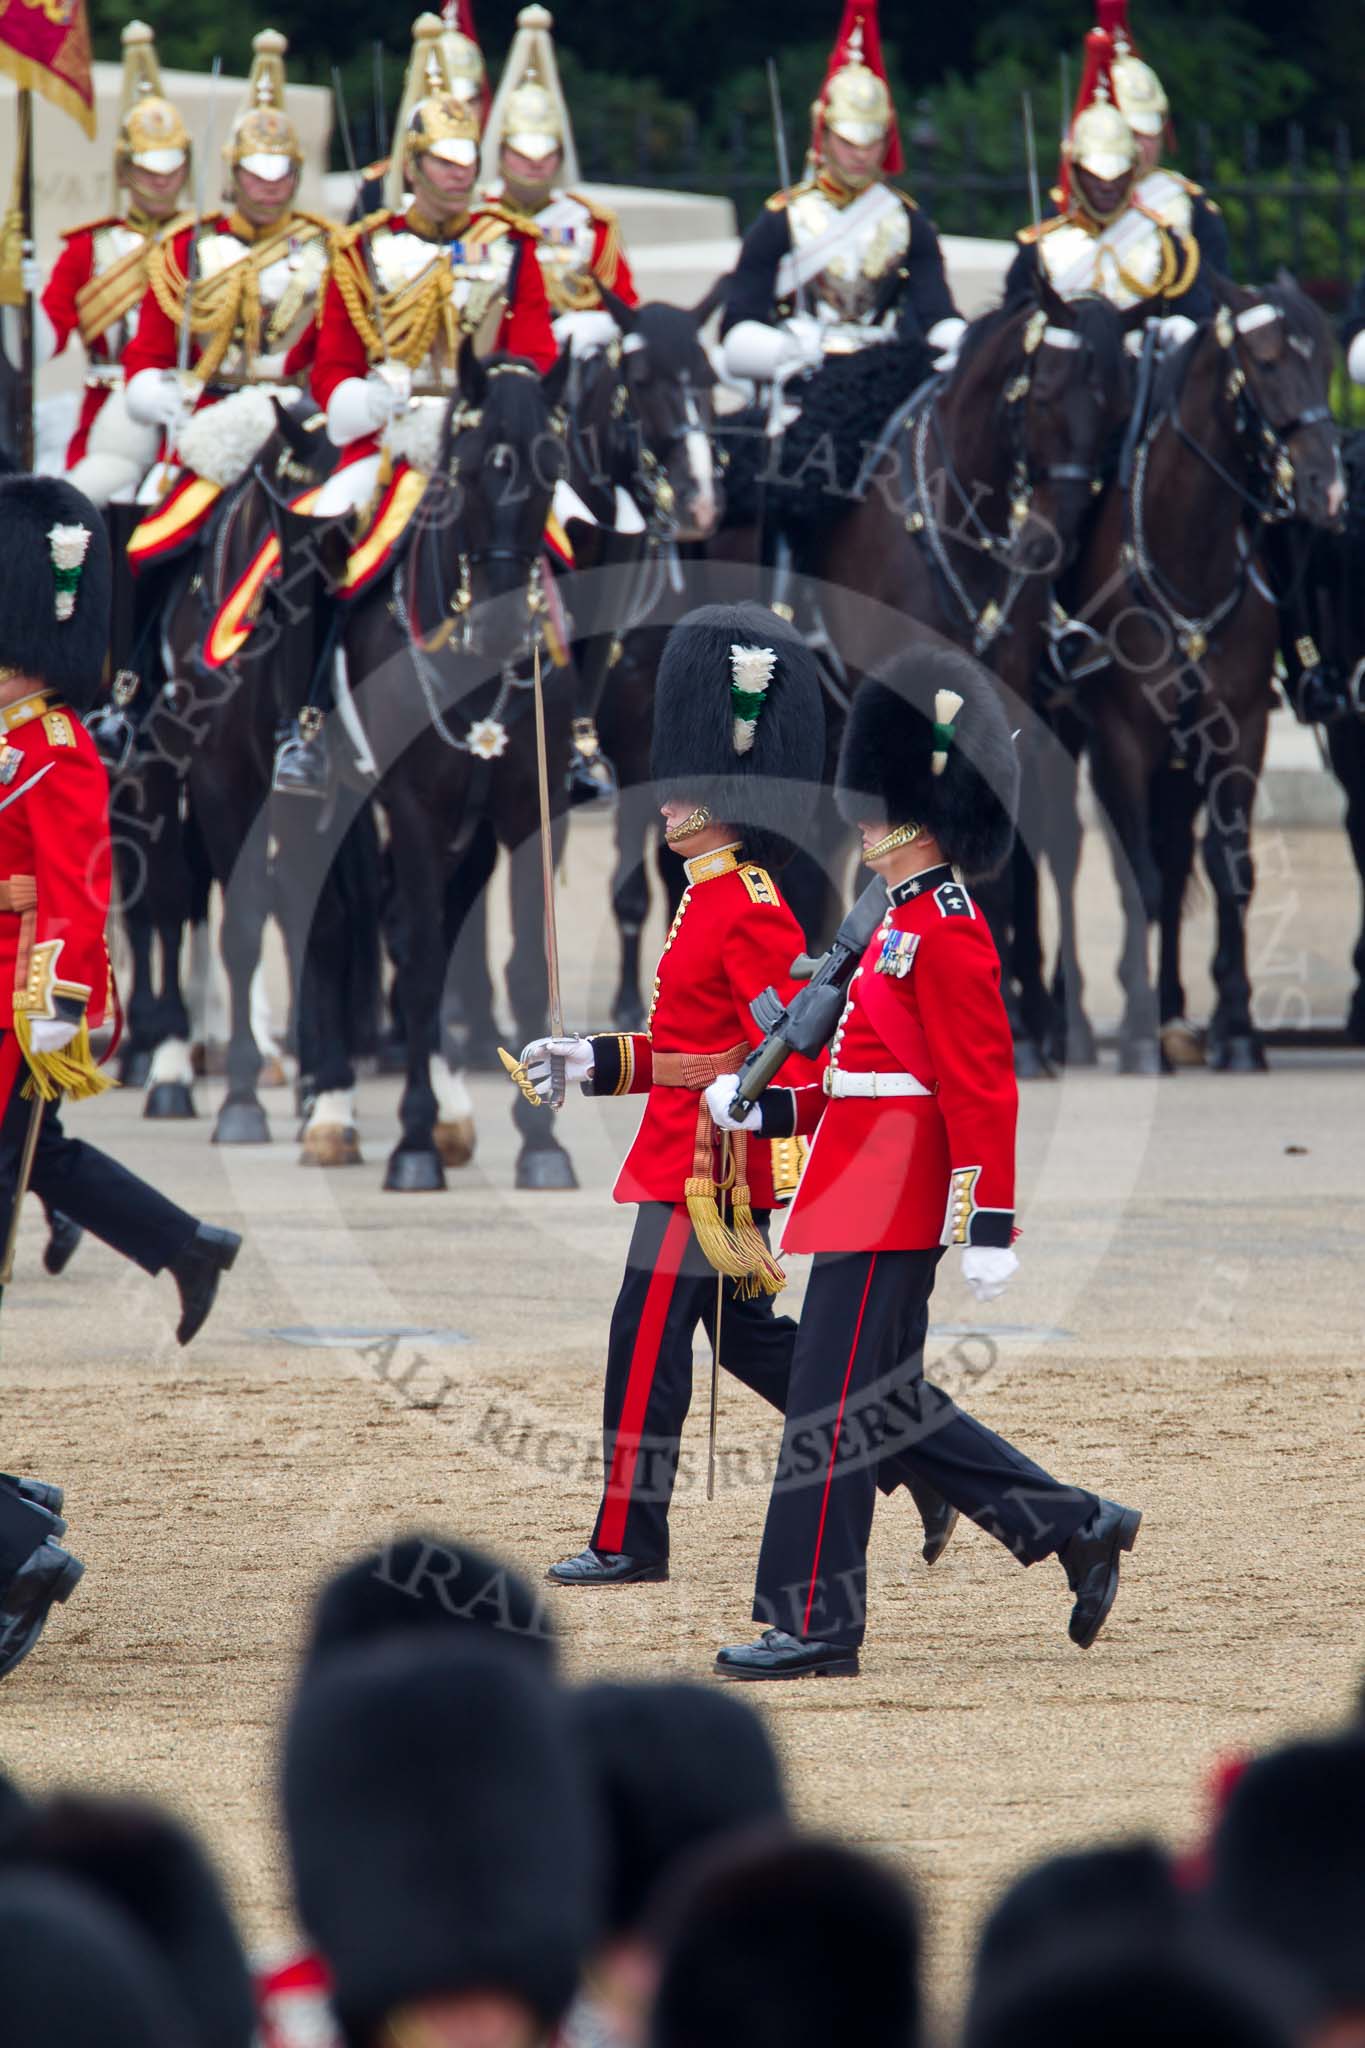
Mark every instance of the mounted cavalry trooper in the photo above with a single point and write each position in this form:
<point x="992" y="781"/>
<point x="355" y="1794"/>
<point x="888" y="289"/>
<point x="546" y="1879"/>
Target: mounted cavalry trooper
<point x="245" y="287"/>
<point x="843" y="259"/>
<point x="409" y="290"/>
<point x="1141" y="98"/>
<point x="100" y="279"/>
<point x="529" y="167"/>
<point x="452" y="62"/>
<point x="1104" y="237"/>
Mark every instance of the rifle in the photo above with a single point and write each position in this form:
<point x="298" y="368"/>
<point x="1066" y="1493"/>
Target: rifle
<point x="808" y="1022"/>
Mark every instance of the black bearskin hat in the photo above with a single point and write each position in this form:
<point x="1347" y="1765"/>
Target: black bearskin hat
<point x="782" y="1943"/>
<point x="54" y="593"/>
<point x="76" y="1971"/>
<point x="1288" y="1866"/>
<point x="1123" y="1886"/>
<point x="13" y="1806"/>
<point x="739" y="724"/>
<point x="911" y="757"/>
<point x="675" y="1766"/>
<point x="1129" y="1991"/>
<point x="148" y="1866"/>
<point x="429" y="1583"/>
<point x="440" y="1828"/>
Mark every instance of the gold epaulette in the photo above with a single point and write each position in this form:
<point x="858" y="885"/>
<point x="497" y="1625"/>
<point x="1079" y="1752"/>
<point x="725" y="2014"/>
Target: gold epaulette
<point x="910" y="205"/>
<point x="781" y="200"/>
<point x="347" y="236"/>
<point x="603" y="215"/>
<point x="1029" y="235"/>
<point x="759" y="884"/>
<point x="378" y="169"/>
<point x="58" y="729"/>
<point x="492" y="223"/>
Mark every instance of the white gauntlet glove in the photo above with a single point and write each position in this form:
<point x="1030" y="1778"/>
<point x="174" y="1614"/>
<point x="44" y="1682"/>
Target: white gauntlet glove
<point x="363" y="405"/>
<point x="575" y="1052"/>
<point x="719" y="1096"/>
<point x="582" y="332"/>
<point x="51" y="1034"/>
<point x="162" y="398"/>
<point x="988" y="1269"/>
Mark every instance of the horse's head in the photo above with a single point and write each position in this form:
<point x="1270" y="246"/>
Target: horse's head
<point x="1052" y="371"/>
<point x="503" y="452"/>
<point x="1279" y="367"/>
<point x="669" y="382"/>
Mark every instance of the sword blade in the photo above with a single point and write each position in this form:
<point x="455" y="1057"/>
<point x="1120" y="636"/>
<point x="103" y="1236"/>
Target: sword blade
<point x="547" y="875"/>
<point x="35" y="1118"/>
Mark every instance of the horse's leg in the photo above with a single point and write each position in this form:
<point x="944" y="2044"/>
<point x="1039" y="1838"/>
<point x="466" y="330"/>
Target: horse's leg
<point x="170" y="1077"/>
<point x="470" y="981"/>
<point x="1121" y="767"/>
<point x="419" y="855"/>
<point x="1063" y="841"/>
<point x="630" y="906"/>
<point x="1174" y="808"/>
<point x="1234" y="1045"/>
<point x="465" y="897"/>
<point x="313" y="920"/>
<point x="241" y="1119"/>
<point x="1346" y="746"/>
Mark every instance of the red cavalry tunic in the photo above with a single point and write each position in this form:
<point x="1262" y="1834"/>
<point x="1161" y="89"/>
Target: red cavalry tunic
<point x="344" y="350"/>
<point x="733" y="935"/>
<point x="156" y="344"/>
<point x="108" y="250"/>
<point x="904" y="1172"/>
<point x="54" y="865"/>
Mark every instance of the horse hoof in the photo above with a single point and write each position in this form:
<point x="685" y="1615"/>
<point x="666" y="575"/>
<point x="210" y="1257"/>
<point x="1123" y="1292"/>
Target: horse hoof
<point x="170" y="1100"/>
<point x="1242" y="1054"/>
<point x="455" y="1141"/>
<point x="208" y="1059"/>
<point x="543" y="1168"/>
<point x="133" y="1068"/>
<point x="1029" y="1064"/>
<point x="1182" y="1045"/>
<point x="241" y="1123"/>
<point x="1140" y="1056"/>
<point x="414" y="1173"/>
<point x="330" y="1145"/>
<point x="272" y="1074"/>
<point x="1075" y="1047"/>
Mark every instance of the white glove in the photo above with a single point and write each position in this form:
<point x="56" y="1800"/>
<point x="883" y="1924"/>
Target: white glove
<point x="162" y="398"/>
<point x="576" y="1053"/>
<point x="1175" y="329"/>
<point x="269" y="369"/>
<point x="945" y="338"/>
<point x="755" y="352"/>
<point x="1355" y="359"/>
<point x="584" y="331"/>
<point x="51" y="1034"/>
<point x="988" y="1269"/>
<point x="362" y="405"/>
<point x="719" y="1096"/>
<point x="807" y="336"/>
<point x="31" y="275"/>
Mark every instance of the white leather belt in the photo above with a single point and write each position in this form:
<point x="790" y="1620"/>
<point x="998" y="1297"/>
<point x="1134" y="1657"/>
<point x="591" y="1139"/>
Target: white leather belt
<point x="837" y="1082"/>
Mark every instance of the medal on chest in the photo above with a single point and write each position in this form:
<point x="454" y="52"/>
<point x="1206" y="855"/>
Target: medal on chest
<point x="11" y="761"/>
<point x="897" y="956"/>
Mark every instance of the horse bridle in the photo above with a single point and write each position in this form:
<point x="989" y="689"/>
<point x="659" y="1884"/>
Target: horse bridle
<point x="990" y="620"/>
<point x="466" y="419"/>
<point x="1269" y="447"/>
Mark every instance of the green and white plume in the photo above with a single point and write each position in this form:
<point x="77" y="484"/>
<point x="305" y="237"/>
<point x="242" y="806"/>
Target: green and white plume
<point x="751" y="671"/>
<point x="67" y="546"/>
<point x="947" y="704"/>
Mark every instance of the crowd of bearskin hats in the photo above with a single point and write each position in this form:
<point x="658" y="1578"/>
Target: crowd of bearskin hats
<point x="483" y="1854"/>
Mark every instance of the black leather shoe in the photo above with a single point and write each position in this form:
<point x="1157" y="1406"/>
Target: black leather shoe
<point x="939" y="1517"/>
<point x="63" y="1237"/>
<point x="197" y="1271"/>
<point x="607" y="1568"/>
<point x="778" y="1655"/>
<point x="47" y="1576"/>
<point x="1091" y="1563"/>
<point x="301" y="765"/>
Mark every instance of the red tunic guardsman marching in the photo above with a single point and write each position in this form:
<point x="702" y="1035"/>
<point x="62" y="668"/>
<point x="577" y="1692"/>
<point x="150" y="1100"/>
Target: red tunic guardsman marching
<point x="738" y="740"/>
<point x="914" y="1151"/>
<point x="100" y="279"/>
<point x="55" y="983"/>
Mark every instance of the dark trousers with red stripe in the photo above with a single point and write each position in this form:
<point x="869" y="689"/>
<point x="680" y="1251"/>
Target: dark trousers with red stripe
<point x="857" y="1397"/>
<point x="668" y="1293"/>
<point x="83" y="1183"/>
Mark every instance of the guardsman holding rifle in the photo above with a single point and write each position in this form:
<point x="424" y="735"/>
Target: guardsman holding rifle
<point x="915" y="1121"/>
<point x="738" y="743"/>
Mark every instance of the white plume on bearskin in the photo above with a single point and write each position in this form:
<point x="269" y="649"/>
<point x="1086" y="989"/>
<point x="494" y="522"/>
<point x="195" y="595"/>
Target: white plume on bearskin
<point x="222" y="441"/>
<point x="752" y="669"/>
<point x="414" y="435"/>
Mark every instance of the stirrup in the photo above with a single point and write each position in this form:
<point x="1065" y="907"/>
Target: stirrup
<point x="301" y="764"/>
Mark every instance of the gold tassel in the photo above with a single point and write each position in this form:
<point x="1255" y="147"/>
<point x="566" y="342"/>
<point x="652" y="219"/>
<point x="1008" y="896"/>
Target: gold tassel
<point x="718" y="1244"/>
<point x="768" y="1276"/>
<point x="71" y="1072"/>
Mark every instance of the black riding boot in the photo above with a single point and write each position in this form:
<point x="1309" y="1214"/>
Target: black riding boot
<point x="592" y="778"/>
<point x="114" y="726"/>
<point x="312" y="558"/>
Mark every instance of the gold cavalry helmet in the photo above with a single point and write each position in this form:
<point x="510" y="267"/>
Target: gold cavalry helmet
<point x="464" y="65"/>
<point x="151" y="134"/>
<point x="1138" y="92"/>
<point x="443" y="126"/>
<point x="1101" y="142"/>
<point x="264" y="140"/>
<point x="529" y="113"/>
<point x="857" y="104"/>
